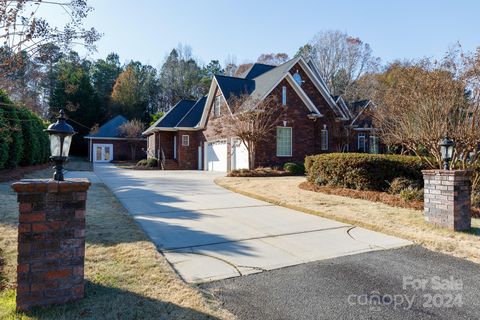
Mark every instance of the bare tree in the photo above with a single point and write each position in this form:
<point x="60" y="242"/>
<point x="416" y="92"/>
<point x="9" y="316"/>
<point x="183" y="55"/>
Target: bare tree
<point x="273" y="59"/>
<point x="242" y="68"/>
<point x="340" y="58"/>
<point x="251" y="121"/>
<point x="132" y="132"/>
<point x="420" y="103"/>
<point x="23" y="29"/>
<point x="230" y="65"/>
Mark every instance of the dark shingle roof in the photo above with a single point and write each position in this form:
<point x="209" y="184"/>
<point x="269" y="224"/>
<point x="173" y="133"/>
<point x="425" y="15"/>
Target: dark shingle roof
<point x="232" y="86"/>
<point x="257" y="69"/>
<point x="192" y="118"/>
<point x="175" y="114"/>
<point x="357" y="108"/>
<point x="185" y="114"/>
<point x="267" y="80"/>
<point x="109" y="129"/>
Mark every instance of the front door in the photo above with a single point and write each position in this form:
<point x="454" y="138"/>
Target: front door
<point x="102" y="152"/>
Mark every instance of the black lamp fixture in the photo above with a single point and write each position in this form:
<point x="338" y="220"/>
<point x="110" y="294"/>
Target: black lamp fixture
<point x="60" y="139"/>
<point x="446" y="151"/>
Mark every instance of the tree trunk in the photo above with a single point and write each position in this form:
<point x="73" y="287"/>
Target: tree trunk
<point x="251" y="156"/>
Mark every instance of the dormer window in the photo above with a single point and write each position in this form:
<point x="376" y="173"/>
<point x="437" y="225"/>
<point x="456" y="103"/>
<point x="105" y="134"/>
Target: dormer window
<point x="298" y="78"/>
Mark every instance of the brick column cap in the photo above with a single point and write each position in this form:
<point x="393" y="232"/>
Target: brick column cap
<point x="50" y="185"/>
<point x="447" y="172"/>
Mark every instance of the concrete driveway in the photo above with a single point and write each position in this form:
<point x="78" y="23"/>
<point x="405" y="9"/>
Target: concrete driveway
<point x="209" y="233"/>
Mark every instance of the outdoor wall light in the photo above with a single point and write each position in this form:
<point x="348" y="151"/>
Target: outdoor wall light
<point x="446" y="151"/>
<point x="60" y="139"/>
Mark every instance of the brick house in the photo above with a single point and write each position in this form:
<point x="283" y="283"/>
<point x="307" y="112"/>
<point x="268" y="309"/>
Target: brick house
<point x="107" y="144"/>
<point x="188" y="136"/>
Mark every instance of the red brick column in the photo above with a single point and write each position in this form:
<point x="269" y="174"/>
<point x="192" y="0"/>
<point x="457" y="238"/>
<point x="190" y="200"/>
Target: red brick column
<point x="51" y="241"/>
<point x="447" y="198"/>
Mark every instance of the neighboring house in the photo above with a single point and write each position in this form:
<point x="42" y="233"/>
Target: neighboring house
<point x="107" y="144"/>
<point x="189" y="135"/>
<point x="362" y="132"/>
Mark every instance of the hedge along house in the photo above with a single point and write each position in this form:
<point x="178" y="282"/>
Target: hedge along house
<point x="189" y="136"/>
<point x="107" y="143"/>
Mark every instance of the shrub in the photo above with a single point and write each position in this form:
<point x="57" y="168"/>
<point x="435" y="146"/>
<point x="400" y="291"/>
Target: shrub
<point x="152" y="162"/>
<point x="411" y="194"/>
<point x="4" y="139"/>
<point x="142" y="163"/>
<point x="294" y="168"/>
<point x="401" y="183"/>
<point x="15" y="141"/>
<point x="476" y="199"/>
<point x="362" y="171"/>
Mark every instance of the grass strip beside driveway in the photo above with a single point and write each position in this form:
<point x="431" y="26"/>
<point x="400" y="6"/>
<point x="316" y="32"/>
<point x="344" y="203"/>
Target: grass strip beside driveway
<point x="126" y="277"/>
<point x="404" y="223"/>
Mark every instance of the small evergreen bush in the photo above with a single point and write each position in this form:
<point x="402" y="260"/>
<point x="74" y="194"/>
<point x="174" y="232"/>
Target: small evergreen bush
<point x="152" y="162"/>
<point x="142" y="163"/>
<point x="294" y="168"/>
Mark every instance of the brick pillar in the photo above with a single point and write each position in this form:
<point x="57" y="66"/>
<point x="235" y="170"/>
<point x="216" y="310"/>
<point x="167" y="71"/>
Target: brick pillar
<point x="51" y="241"/>
<point x="447" y="198"/>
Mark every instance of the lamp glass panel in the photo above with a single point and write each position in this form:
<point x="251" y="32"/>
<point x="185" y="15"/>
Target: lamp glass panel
<point x="450" y="151"/>
<point x="55" y="145"/>
<point x="66" y="145"/>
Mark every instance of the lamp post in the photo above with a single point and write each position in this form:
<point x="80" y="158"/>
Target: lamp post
<point x="446" y="151"/>
<point x="60" y="139"/>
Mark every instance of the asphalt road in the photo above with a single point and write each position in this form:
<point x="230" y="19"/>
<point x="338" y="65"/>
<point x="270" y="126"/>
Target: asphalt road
<point x="406" y="283"/>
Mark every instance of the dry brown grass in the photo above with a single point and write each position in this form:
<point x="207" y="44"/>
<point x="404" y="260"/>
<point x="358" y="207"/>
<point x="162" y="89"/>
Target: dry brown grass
<point x="127" y="278"/>
<point x="405" y="223"/>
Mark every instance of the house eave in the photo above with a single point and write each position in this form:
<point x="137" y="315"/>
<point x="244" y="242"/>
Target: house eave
<point x="110" y="138"/>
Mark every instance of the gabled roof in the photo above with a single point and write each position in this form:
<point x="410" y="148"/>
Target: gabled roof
<point x="109" y="129"/>
<point x="192" y="118"/>
<point x="232" y="86"/>
<point x="185" y="114"/>
<point x="256" y="70"/>
<point x="267" y="81"/>
<point x="357" y="108"/>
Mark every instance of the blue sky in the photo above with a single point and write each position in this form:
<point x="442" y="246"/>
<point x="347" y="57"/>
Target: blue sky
<point x="147" y="30"/>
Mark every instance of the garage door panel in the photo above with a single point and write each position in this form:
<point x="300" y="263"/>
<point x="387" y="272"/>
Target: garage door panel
<point x="239" y="156"/>
<point x="217" y="156"/>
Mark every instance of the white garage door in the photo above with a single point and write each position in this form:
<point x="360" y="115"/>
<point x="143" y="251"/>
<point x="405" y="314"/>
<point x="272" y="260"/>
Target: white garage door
<point x="239" y="155"/>
<point x="216" y="156"/>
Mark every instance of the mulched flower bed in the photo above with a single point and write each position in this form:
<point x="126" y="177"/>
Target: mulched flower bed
<point x="258" y="172"/>
<point x="376" y="196"/>
<point x="20" y="172"/>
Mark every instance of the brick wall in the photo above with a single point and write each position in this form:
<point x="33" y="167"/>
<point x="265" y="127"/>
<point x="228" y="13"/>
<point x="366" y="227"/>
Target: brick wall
<point x="51" y="241"/>
<point x="187" y="156"/>
<point x="447" y="198"/>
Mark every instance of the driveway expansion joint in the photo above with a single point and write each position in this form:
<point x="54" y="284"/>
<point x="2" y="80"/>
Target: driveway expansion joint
<point x="175" y="249"/>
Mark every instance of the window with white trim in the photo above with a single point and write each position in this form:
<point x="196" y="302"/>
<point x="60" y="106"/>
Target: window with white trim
<point x="185" y="140"/>
<point x="217" y="106"/>
<point x="284" y="141"/>
<point x="324" y="140"/>
<point x="373" y="145"/>
<point x="361" y="142"/>
<point x="284" y="95"/>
